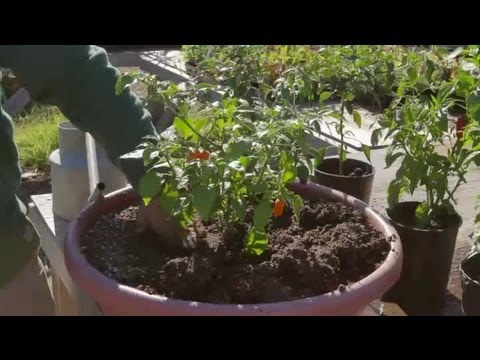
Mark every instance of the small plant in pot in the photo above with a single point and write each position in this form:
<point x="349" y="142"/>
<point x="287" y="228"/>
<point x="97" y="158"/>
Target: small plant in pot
<point x="351" y="176"/>
<point x="470" y="273"/>
<point x="433" y="158"/>
<point x="256" y="236"/>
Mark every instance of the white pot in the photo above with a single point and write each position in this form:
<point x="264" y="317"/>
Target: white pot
<point x="69" y="172"/>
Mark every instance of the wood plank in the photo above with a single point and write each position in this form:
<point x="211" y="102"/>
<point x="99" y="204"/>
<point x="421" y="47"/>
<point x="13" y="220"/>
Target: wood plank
<point x="52" y="231"/>
<point x="65" y="305"/>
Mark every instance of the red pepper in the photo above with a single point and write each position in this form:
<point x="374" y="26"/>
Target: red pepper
<point x="278" y="207"/>
<point x="201" y="155"/>
<point x="460" y="126"/>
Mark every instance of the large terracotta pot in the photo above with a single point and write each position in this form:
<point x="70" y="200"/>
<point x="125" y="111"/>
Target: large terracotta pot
<point x="117" y="299"/>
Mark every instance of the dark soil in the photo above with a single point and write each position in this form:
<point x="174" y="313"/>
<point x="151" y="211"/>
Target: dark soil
<point x="34" y="182"/>
<point x="404" y="214"/>
<point x="334" y="247"/>
<point x="350" y="168"/>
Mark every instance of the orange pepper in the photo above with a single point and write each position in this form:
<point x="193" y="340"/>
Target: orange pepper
<point x="278" y="207"/>
<point x="202" y="155"/>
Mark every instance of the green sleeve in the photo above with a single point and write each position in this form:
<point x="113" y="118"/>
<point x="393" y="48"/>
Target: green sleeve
<point x="80" y="81"/>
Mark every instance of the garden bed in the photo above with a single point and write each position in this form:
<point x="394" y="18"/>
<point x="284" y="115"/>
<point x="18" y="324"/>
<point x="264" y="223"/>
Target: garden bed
<point x="34" y="182"/>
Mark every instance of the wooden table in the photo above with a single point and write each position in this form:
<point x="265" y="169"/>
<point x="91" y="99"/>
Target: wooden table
<point x="69" y="299"/>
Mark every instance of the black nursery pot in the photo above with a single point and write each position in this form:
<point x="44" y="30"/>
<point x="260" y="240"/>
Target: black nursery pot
<point x="359" y="187"/>
<point x="470" y="275"/>
<point x="427" y="259"/>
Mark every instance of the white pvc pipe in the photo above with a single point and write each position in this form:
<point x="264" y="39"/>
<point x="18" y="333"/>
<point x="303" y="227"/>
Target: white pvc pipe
<point x="92" y="164"/>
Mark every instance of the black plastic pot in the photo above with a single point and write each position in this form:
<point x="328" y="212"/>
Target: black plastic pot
<point x="359" y="187"/>
<point x="427" y="259"/>
<point x="470" y="274"/>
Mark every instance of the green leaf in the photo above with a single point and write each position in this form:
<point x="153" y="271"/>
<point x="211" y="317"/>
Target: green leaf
<point x="245" y="161"/>
<point x="239" y="207"/>
<point x="320" y="155"/>
<point x="421" y="215"/>
<point x="376" y="135"/>
<point x="146" y="156"/>
<point x="168" y="199"/>
<point x="125" y="81"/>
<point x="150" y="185"/>
<point x="400" y="90"/>
<point x="395" y="190"/>
<point x="349" y="107"/>
<point x="467" y="82"/>
<point x="260" y="188"/>
<point x="336" y="115"/>
<point x="325" y="95"/>
<point x="357" y="118"/>
<point x="237" y="166"/>
<point x="349" y="97"/>
<point x="182" y="128"/>
<point x="238" y="149"/>
<point x="445" y="91"/>
<point x="204" y="199"/>
<point x="473" y="105"/>
<point x="366" y="151"/>
<point x="412" y="73"/>
<point x="257" y="242"/>
<point x="295" y="201"/>
<point x="162" y="168"/>
<point x="443" y="122"/>
<point x="288" y="176"/>
<point x="198" y="124"/>
<point x="203" y="86"/>
<point x="316" y="125"/>
<point x="303" y="173"/>
<point x="391" y="157"/>
<point x="385" y="122"/>
<point x="472" y="156"/>
<point x="262" y="214"/>
<point x="287" y="165"/>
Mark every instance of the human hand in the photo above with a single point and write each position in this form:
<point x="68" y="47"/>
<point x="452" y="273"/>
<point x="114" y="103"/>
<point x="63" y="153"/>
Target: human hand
<point x="154" y="218"/>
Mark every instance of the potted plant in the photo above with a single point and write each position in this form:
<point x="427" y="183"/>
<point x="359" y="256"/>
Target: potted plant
<point x="263" y="241"/>
<point x="470" y="274"/>
<point x="351" y="176"/>
<point x="430" y="152"/>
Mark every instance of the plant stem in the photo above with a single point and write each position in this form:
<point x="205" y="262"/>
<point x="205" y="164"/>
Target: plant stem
<point x="451" y="193"/>
<point x="269" y="156"/>
<point x="198" y="134"/>
<point x="342" y="110"/>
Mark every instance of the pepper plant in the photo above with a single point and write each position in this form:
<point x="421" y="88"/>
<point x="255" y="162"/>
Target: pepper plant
<point x="220" y="164"/>
<point x="476" y="231"/>
<point x="430" y="150"/>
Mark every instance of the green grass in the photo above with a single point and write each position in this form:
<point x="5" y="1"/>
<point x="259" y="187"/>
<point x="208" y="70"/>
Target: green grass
<point x="36" y="135"/>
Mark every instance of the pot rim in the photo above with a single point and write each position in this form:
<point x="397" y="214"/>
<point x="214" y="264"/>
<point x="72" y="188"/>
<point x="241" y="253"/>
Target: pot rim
<point x="402" y="226"/>
<point x="67" y="126"/>
<point x="469" y="257"/>
<point x="335" y="157"/>
<point x="377" y="282"/>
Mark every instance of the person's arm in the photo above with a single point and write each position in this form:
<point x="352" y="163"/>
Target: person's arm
<point x="80" y="81"/>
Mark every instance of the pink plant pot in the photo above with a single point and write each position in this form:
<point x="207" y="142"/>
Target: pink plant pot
<point x="117" y="299"/>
